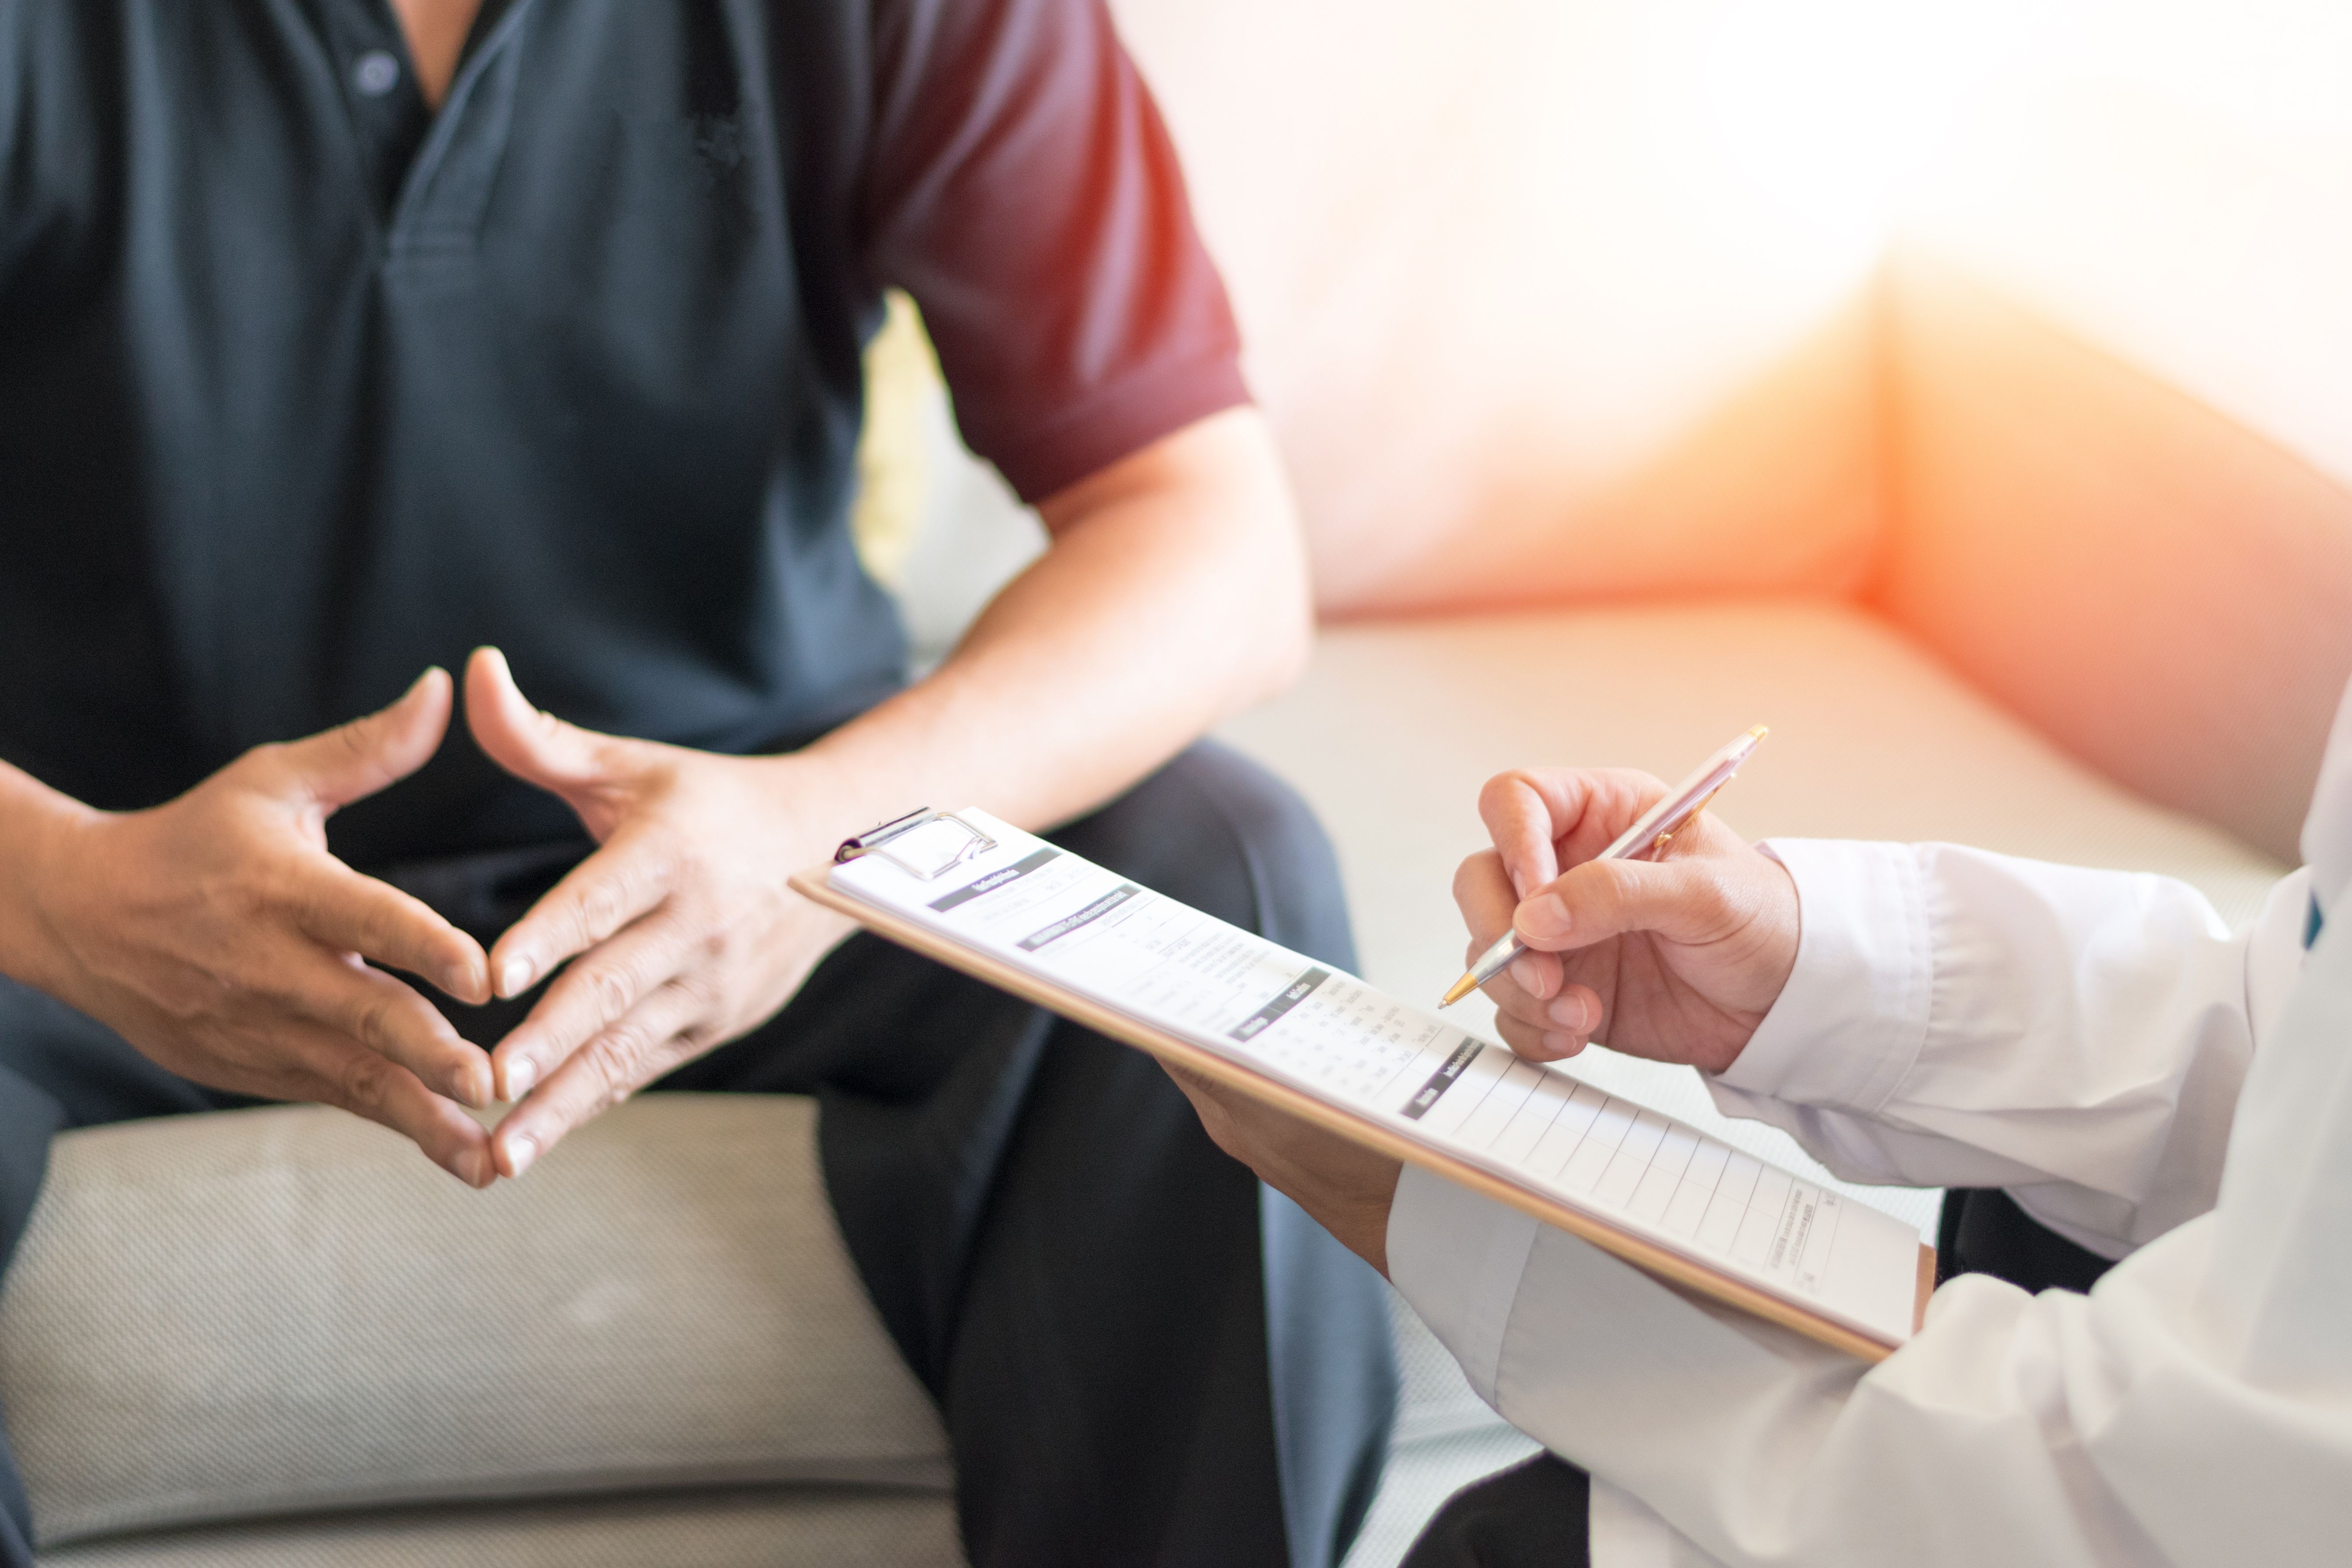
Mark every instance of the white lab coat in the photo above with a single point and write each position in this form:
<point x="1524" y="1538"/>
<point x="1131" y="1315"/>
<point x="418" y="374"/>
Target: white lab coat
<point x="2141" y="1080"/>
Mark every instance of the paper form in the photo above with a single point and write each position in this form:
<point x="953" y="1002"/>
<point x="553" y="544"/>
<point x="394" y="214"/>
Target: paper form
<point x="1330" y="1033"/>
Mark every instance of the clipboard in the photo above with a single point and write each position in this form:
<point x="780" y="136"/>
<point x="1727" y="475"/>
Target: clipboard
<point x="1672" y="1268"/>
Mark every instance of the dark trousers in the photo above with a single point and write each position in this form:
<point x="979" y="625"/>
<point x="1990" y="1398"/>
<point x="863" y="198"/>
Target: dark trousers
<point x="1534" y="1515"/>
<point x="1140" y="1355"/>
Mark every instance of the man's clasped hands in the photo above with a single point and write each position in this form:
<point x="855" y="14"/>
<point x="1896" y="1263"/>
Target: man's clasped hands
<point x="218" y="935"/>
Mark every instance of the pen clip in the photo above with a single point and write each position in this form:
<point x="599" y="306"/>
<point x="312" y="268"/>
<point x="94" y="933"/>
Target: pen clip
<point x="1657" y="846"/>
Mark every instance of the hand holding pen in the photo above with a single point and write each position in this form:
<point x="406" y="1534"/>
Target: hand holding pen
<point x="1665" y="933"/>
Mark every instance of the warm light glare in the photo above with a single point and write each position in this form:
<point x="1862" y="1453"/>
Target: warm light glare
<point x="1520" y="250"/>
<point x="1831" y="110"/>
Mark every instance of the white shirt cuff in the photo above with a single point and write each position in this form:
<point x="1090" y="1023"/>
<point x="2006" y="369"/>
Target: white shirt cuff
<point x="1457" y="1258"/>
<point x="1849" y="1024"/>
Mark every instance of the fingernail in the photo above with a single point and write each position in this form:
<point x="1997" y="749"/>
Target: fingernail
<point x="522" y="1150"/>
<point x="1545" y="915"/>
<point x="1560" y="1043"/>
<point x="522" y="1073"/>
<point x="1570" y="1012"/>
<point x="1528" y="977"/>
<point x="474" y="1167"/>
<point x="515" y="978"/>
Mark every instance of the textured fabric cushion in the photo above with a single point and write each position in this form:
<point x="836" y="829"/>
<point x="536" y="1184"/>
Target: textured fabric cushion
<point x="274" y="1311"/>
<point x="800" y="1529"/>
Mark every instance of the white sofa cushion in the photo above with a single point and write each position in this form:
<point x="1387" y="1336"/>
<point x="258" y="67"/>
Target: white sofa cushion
<point x="1398" y="723"/>
<point x="288" y="1311"/>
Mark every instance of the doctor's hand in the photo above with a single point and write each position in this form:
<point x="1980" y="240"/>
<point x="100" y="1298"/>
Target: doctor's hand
<point x="1344" y="1187"/>
<point x="677" y="935"/>
<point x="217" y="935"/>
<point x="1677" y="959"/>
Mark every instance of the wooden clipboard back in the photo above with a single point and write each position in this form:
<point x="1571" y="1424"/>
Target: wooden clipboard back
<point x="816" y="884"/>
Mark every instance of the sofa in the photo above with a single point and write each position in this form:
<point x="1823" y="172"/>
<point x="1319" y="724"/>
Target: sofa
<point x="1992" y="569"/>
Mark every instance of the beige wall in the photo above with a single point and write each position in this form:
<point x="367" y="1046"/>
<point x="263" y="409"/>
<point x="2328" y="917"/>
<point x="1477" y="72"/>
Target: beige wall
<point x="1528" y="323"/>
<point x="1776" y="490"/>
<point x="2123" y="494"/>
<point x="2171" y="181"/>
<point x="1518" y="272"/>
<point x="1572" y="300"/>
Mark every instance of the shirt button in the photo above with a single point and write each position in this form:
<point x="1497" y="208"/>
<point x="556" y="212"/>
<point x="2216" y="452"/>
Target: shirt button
<point x="376" y="73"/>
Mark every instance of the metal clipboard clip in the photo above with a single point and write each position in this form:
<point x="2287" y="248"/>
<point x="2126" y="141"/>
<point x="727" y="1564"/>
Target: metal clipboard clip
<point x="927" y="844"/>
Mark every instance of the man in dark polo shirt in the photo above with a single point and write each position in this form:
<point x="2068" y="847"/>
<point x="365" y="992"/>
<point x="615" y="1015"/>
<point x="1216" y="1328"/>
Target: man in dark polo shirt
<point x="339" y="338"/>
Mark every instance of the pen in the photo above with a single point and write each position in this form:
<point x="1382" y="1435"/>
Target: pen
<point x="1642" y="841"/>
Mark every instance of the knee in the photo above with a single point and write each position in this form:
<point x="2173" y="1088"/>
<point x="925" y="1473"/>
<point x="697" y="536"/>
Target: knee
<point x="1216" y="830"/>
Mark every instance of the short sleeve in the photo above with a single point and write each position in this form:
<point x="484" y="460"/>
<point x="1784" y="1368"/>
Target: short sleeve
<point x="1023" y="188"/>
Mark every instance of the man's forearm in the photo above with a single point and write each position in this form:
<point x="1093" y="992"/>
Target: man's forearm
<point x="1174" y="594"/>
<point x="30" y="815"/>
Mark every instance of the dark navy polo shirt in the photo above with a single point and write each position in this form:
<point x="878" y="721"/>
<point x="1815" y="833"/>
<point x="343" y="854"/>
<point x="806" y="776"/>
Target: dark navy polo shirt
<point x="303" y="388"/>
